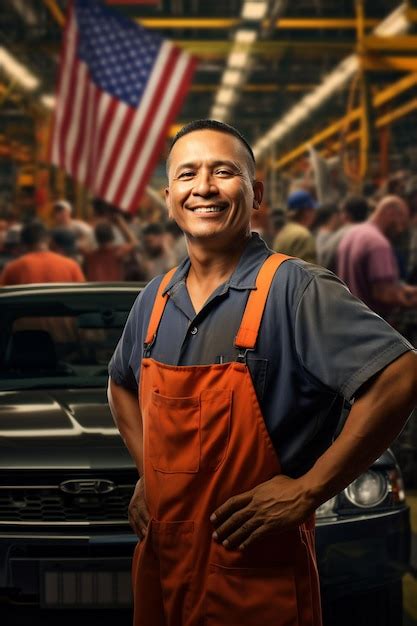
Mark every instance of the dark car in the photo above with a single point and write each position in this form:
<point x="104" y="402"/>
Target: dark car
<point x="66" y="478"/>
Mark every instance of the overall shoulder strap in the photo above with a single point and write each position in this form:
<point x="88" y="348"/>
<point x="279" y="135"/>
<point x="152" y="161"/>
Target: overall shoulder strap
<point x="252" y="316"/>
<point x="158" y="308"/>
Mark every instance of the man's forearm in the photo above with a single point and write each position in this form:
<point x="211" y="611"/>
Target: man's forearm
<point x="124" y="407"/>
<point x="376" y="418"/>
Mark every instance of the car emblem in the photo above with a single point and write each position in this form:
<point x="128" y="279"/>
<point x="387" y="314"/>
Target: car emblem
<point x="93" y="486"/>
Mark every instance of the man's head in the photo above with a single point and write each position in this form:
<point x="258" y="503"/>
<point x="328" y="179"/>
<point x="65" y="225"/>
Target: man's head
<point x="34" y="235"/>
<point x="153" y="240"/>
<point x="301" y="207"/>
<point x="104" y="234"/>
<point x="355" y="209"/>
<point x="391" y="215"/>
<point x="212" y="188"/>
<point x="62" y="212"/>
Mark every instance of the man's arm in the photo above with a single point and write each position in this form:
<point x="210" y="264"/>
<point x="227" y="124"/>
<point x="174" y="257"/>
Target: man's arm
<point x="126" y="414"/>
<point x="376" y="418"/>
<point x="395" y="294"/>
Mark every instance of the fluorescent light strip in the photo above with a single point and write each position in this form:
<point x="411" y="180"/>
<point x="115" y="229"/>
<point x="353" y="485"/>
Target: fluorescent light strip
<point x="232" y="78"/>
<point x="48" y="101"/>
<point x="17" y="71"/>
<point x="245" y="36"/>
<point x="254" y="10"/>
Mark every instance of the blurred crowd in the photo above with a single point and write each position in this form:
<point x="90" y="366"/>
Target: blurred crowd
<point x="369" y="241"/>
<point x="112" y="246"/>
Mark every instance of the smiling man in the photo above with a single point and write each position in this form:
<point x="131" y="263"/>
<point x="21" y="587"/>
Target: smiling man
<point x="243" y="359"/>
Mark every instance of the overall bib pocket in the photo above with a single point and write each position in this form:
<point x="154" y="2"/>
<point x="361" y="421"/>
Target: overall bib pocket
<point x="188" y="435"/>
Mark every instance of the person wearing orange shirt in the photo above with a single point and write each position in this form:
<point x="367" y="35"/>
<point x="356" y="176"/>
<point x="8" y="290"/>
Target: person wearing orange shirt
<point x="39" y="264"/>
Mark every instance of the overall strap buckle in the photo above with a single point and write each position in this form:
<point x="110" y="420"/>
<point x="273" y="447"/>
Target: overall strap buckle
<point x="147" y="346"/>
<point x="242" y="356"/>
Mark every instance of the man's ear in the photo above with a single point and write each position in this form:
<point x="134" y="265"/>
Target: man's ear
<point x="168" y="201"/>
<point x="258" y="193"/>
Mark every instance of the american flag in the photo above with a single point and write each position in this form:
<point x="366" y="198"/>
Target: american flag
<point x="119" y="88"/>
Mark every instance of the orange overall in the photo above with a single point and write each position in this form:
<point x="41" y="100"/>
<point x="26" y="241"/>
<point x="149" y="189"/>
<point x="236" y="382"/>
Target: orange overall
<point x="205" y="440"/>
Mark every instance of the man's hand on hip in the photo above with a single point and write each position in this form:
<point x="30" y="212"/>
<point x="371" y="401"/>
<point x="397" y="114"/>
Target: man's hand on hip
<point x="275" y="505"/>
<point x="138" y="513"/>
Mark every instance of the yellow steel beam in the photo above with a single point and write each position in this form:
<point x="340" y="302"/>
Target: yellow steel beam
<point x="386" y="64"/>
<point x="383" y="120"/>
<point x="378" y="100"/>
<point x="227" y="23"/>
<point x="56" y="12"/>
<point x="254" y="88"/>
<point x="222" y="48"/>
<point x="406" y="43"/>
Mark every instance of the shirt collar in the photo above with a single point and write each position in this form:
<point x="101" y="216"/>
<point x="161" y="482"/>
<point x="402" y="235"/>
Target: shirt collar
<point x="244" y="276"/>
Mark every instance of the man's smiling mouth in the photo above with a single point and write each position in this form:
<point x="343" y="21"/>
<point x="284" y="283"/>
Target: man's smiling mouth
<point x="208" y="209"/>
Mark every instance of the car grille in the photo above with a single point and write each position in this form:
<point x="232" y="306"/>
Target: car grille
<point x="48" y="504"/>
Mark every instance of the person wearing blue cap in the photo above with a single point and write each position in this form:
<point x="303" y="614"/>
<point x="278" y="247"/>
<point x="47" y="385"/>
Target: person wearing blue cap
<point x="295" y="238"/>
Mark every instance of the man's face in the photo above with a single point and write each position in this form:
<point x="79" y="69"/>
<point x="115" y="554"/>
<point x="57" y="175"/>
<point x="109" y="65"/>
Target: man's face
<point x="211" y="190"/>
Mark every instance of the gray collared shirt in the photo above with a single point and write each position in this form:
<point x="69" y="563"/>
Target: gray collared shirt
<point x="317" y="346"/>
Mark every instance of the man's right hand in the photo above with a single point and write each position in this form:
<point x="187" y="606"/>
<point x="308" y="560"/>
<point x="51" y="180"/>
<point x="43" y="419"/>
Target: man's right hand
<point x="138" y="513"/>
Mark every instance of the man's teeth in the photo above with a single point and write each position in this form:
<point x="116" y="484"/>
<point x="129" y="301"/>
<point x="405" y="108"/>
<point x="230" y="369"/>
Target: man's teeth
<point x="209" y="209"/>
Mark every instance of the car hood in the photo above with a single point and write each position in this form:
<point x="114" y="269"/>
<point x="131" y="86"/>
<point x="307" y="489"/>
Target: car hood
<point x="59" y="429"/>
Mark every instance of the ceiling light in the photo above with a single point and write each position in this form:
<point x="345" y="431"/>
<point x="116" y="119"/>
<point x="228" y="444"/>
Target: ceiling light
<point x="218" y="113"/>
<point x="48" y="101"/>
<point x="238" y="59"/>
<point x="232" y="78"/>
<point x="254" y="10"/>
<point x="225" y="96"/>
<point x="395" y="24"/>
<point x="245" y="36"/>
<point x="16" y="70"/>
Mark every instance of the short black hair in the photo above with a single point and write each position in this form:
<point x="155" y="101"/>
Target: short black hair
<point x="207" y="124"/>
<point x="153" y="229"/>
<point x="103" y="233"/>
<point x="356" y="207"/>
<point x="33" y="233"/>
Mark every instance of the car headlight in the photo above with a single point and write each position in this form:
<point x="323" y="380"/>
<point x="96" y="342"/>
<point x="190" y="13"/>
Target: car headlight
<point x="327" y="509"/>
<point x="369" y="489"/>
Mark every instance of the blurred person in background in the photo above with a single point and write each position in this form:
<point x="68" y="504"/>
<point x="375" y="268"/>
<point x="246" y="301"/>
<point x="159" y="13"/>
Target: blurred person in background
<point x="157" y="258"/>
<point x="107" y="263"/>
<point x="367" y="263"/>
<point x="355" y="210"/>
<point x="277" y="221"/>
<point x="327" y="221"/>
<point x="175" y="243"/>
<point x="12" y="246"/>
<point x="63" y="218"/>
<point x="39" y="264"/>
<point x="295" y="238"/>
<point x="64" y="241"/>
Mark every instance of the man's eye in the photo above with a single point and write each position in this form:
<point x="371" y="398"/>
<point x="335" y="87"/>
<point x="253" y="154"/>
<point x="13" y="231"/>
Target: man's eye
<point x="186" y="174"/>
<point x="222" y="172"/>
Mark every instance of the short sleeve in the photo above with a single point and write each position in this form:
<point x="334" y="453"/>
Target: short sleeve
<point x="120" y="367"/>
<point x="339" y="341"/>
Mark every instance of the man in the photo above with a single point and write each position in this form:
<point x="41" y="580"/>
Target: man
<point x="366" y="260"/>
<point x="108" y="261"/>
<point x="39" y="264"/>
<point x="242" y="370"/>
<point x="63" y="218"/>
<point x="295" y="238"/>
<point x="355" y="210"/>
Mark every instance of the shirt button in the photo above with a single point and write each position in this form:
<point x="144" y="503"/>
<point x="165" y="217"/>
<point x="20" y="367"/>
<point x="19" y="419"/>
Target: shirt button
<point x="194" y="330"/>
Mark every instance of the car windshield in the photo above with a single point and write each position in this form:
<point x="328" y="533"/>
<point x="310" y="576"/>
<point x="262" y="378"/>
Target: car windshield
<point x="51" y="345"/>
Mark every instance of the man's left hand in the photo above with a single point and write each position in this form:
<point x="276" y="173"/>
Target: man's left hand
<point x="276" y="505"/>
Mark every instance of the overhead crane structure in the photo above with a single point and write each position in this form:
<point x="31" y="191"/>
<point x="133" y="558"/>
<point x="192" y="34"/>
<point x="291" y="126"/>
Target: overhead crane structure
<point x="375" y="54"/>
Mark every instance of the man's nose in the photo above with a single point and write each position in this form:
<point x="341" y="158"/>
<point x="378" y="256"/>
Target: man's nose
<point x="204" y="184"/>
